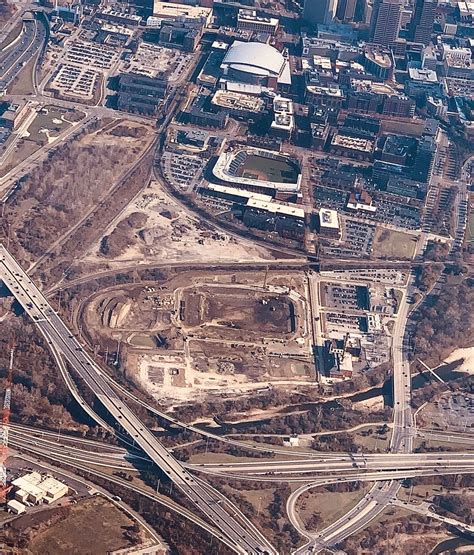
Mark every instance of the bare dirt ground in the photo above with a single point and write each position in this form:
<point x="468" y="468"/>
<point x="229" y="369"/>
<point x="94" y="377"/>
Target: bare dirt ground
<point x="393" y="244"/>
<point x="75" y="181"/>
<point x="205" y="332"/>
<point x="92" y="526"/>
<point x="166" y="232"/>
<point x="468" y="359"/>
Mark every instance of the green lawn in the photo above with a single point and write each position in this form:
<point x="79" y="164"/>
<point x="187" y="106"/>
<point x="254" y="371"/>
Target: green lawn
<point x="393" y="244"/>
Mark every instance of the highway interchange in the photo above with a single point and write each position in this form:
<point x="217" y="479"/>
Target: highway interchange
<point x="245" y="537"/>
<point x="317" y="469"/>
<point x="386" y="470"/>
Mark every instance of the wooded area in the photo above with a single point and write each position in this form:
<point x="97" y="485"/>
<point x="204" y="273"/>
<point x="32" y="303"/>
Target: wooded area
<point x="445" y="323"/>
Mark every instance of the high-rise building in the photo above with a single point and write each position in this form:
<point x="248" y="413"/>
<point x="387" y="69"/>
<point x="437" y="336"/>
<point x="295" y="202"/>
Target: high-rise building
<point x="143" y="7"/>
<point x="385" y="22"/>
<point x="319" y="11"/>
<point x="421" y="26"/>
<point x="346" y="10"/>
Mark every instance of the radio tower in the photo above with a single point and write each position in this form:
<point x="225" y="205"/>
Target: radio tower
<point x="4" y="432"/>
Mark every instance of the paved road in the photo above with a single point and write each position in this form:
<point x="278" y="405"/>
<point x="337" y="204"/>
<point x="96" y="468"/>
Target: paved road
<point x="244" y="536"/>
<point x="161" y="499"/>
<point x="344" y="463"/>
<point x="425" y="510"/>
<point x="32" y="39"/>
<point x="401" y="442"/>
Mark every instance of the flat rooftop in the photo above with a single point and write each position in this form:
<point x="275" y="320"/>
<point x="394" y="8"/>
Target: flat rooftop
<point x="175" y="11"/>
<point x="238" y="101"/>
<point x="239" y="192"/>
<point x="251" y="15"/>
<point x="276" y="208"/>
<point x="353" y="143"/>
<point x="328" y="218"/>
<point x="426" y="75"/>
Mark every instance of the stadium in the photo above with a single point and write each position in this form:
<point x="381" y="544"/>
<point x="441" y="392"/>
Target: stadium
<point x="256" y="64"/>
<point x="259" y="170"/>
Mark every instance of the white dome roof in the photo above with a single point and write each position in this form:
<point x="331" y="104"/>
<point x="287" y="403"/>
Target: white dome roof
<point x="254" y="57"/>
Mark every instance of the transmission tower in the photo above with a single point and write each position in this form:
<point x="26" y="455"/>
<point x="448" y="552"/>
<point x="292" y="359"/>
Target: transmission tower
<point x="4" y="431"/>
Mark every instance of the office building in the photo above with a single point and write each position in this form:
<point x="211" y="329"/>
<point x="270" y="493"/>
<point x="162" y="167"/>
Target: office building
<point x="346" y="10"/>
<point x="329" y="223"/>
<point x="423" y="82"/>
<point x="385" y="22"/>
<point x="421" y="26"/>
<point x="202" y="112"/>
<point x="181" y="12"/>
<point x="142" y="94"/>
<point x="247" y="20"/>
<point x="399" y="106"/>
<point x="378" y="62"/>
<point x="143" y="7"/>
<point x="423" y="163"/>
<point x="34" y="488"/>
<point x="319" y="11"/>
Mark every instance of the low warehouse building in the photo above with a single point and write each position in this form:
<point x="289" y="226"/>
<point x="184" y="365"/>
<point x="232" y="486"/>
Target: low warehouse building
<point x="15" y="507"/>
<point x="34" y="488"/>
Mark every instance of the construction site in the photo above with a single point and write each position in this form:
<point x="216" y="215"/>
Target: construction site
<point x="205" y="332"/>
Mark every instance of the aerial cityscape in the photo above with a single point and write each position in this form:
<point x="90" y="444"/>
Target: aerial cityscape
<point x="236" y="277"/>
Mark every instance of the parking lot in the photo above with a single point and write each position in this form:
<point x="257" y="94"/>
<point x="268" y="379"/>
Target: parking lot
<point x="91" y="55"/>
<point x="183" y="171"/>
<point x="346" y="296"/>
<point x="358" y="236"/>
<point x="452" y="411"/>
<point x="388" y="276"/>
<point x="71" y="80"/>
<point x="336" y="321"/>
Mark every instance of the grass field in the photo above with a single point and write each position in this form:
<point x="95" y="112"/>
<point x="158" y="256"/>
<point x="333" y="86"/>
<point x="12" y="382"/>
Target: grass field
<point x="93" y="526"/>
<point x="51" y="122"/>
<point x="393" y="244"/>
<point x="276" y="171"/>
<point x="12" y="35"/>
<point x="329" y="505"/>
<point x="470" y="227"/>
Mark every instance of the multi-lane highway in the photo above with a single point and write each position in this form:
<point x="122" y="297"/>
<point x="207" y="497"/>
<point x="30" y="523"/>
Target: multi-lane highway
<point x="32" y="39"/>
<point x="243" y="534"/>
<point x="401" y="442"/>
<point x="344" y="463"/>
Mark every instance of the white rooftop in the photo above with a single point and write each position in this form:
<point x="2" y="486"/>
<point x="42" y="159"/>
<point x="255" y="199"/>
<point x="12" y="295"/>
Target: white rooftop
<point x="239" y="192"/>
<point x="276" y="208"/>
<point x="328" y="218"/>
<point x="254" y="57"/>
<point x="16" y="505"/>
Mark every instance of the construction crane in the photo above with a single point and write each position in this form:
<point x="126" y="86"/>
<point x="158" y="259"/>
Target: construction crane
<point x="4" y="431"/>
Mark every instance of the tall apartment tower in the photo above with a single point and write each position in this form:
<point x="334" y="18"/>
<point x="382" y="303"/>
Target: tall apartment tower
<point x="421" y="26"/>
<point x="319" y="11"/>
<point x="385" y="22"/>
